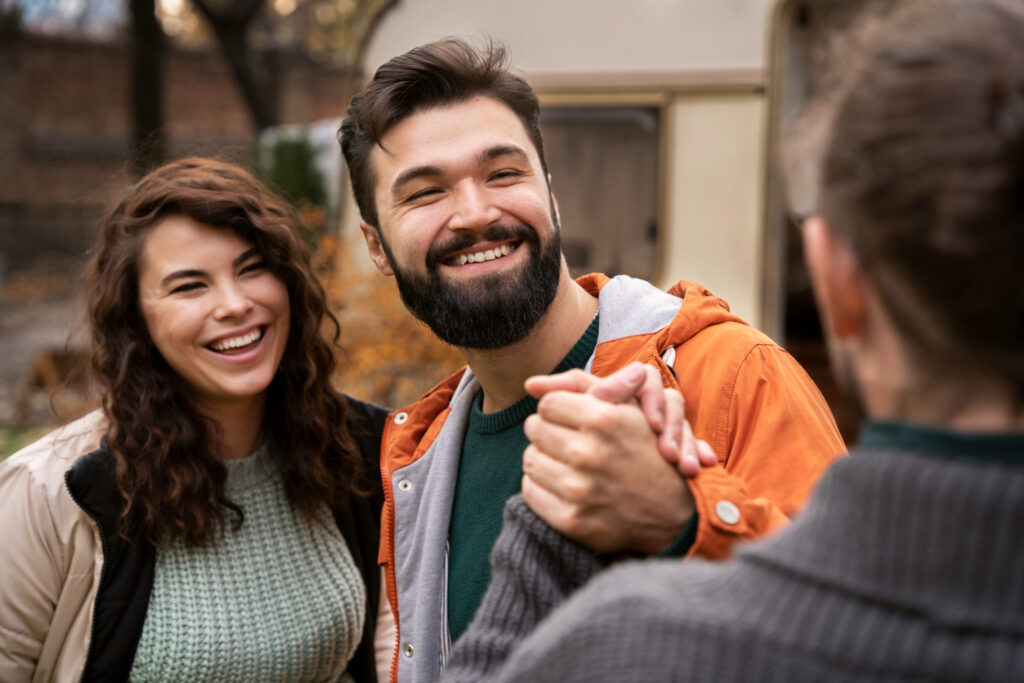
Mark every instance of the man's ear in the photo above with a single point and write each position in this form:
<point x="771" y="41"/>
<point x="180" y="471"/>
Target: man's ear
<point x="376" y="248"/>
<point x="554" y="202"/>
<point x="839" y="284"/>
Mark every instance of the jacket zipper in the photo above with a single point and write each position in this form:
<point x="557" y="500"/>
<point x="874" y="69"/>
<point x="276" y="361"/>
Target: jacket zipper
<point x="103" y="572"/>
<point x="389" y="576"/>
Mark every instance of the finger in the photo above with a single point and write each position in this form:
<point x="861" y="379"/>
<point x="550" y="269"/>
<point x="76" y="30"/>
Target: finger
<point x="573" y="380"/>
<point x="574" y="410"/>
<point x="555" y="512"/>
<point x="670" y="439"/>
<point x="652" y="398"/>
<point x="559" y="442"/>
<point x="621" y="386"/>
<point x="706" y="454"/>
<point x="551" y="474"/>
<point x="689" y="464"/>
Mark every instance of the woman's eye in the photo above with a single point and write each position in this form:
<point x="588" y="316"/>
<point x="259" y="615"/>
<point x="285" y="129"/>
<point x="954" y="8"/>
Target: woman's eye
<point x="186" y="287"/>
<point x="253" y="267"/>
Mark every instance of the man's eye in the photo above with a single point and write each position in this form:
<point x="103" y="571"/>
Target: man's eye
<point x="186" y="287"/>
<point x="507" y="174"/>
<point x="422" y="194"/>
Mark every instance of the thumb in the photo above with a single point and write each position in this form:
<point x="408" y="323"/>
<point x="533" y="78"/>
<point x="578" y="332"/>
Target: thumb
<point x="621" y="386"/>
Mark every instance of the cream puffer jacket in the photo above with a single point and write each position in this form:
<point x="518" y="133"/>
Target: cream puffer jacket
<point x="74" y="591"/>
<point x="50" y="562"/>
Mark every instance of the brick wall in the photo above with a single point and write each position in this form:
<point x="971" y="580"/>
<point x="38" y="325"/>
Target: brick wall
<point x="65" y="129"/>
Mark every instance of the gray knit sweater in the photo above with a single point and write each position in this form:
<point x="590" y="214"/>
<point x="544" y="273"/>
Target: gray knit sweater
<point x="903" y="566"/>
<point x="279" y="599"/>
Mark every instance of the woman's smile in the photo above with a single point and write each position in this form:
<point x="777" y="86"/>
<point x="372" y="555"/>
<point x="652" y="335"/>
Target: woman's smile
<point x="214" y="311"/>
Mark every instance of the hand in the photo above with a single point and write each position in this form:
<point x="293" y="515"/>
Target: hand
<point x="594" y="470"/>
<point x="662" y="406"/>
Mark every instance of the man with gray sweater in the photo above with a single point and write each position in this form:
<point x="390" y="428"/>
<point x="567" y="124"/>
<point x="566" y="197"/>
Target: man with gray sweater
<point x="907" y="562"/>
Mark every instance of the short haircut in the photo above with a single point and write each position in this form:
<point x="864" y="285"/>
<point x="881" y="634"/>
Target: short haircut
<point x="433" y="75"/>
<point x="923" y="175"/>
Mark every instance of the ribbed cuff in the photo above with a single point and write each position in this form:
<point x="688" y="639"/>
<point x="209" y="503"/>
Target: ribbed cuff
<point x="533" y="570"/>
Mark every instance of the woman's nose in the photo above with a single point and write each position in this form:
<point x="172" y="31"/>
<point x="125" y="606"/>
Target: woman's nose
<point x="233" y="302"/>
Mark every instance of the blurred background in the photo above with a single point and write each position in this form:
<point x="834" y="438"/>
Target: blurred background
<point x="661" y="119"/>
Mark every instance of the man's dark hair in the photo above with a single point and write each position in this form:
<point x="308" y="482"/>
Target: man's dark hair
<point x="433" y="75"/>
<point x="923" y="175"/>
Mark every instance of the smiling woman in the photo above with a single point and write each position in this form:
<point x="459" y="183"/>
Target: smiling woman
<point x="224" y="488"/>
<point x="215" y="312"/>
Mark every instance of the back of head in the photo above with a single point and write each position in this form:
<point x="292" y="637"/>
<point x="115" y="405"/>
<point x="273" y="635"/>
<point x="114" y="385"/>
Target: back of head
<point x="923" y="174"/>
<point x="432" y="75"/>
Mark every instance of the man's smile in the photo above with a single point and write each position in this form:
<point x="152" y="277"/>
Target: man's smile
<point x="482" y="255"/>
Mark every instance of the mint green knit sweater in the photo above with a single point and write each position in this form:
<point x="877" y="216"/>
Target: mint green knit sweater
<point x="278" y="600"/>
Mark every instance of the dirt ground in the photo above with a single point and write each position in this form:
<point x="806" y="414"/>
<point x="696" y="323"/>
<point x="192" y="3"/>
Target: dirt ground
<point x="39" y="312"/>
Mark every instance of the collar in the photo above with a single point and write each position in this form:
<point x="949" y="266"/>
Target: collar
<point x="1001" y="447"/>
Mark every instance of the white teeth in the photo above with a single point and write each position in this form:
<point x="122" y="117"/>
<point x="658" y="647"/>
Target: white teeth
<point x="481" y="256"/>
<point x="237" y="342"/>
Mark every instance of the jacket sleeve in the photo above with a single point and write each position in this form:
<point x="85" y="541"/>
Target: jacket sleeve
<point x="774" y="435"/>
<point x="31" y="565"/>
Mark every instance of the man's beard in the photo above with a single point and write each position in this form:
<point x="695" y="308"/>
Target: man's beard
<point x="494" y="310"/>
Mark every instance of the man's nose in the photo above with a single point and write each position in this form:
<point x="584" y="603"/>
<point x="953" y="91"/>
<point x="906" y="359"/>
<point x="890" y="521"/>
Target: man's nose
<point x="474" y="208"/>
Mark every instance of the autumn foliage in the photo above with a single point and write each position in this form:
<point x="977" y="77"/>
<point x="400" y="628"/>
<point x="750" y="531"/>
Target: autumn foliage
<point x="387" y="356"/>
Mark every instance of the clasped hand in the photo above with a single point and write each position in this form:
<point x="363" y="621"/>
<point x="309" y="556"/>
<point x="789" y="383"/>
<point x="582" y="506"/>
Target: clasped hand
<point x="608" y="459"/>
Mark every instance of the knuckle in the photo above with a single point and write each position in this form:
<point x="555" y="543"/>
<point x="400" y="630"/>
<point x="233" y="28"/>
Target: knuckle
<point x="532" y="426"/>
<point x="578" y="455"/>
<point x="529" y="457"/>
<point x="579" y="489"/>
<point x="601" y="417"/>
<point x="572" y="521"/>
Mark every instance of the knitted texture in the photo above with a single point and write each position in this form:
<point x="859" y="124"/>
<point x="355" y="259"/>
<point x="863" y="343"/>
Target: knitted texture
<point x="278" y="600"/>
<point x="903" y="566"/>
<point x="512" y="606"/>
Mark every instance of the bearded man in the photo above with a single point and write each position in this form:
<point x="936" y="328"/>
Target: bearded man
<point x="447" y="167"/>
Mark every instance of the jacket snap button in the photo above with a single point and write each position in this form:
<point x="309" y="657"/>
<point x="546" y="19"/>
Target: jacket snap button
<point x="408" y="650"/>
<point x="405" y="485"/>
<point x="401" y="418"/>
<point x="727" y="512"/>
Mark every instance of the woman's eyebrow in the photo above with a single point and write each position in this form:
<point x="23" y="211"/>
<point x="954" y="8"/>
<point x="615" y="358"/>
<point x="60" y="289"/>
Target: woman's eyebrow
<point x="195" y="272"/>
<point x="245" y="256"/>
<point x="178" y="274"/>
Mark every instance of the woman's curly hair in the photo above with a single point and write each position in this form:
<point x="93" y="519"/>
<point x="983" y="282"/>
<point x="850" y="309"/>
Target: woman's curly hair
<point x="164" y="450"/>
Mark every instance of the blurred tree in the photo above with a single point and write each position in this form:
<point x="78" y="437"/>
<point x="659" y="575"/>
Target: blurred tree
<point x="147" y="87"/>
<point x="388" y="356"/>
<point x="330" y="29"/>
<point x="10" y="19"/>
<point x="290" y="169"/>
<point x="287" y="163"/>
<point x="231" y="22"/>
<point x="335" y="30"/>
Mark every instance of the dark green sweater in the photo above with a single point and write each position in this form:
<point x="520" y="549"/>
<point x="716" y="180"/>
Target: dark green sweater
<point x="490" y="472"/>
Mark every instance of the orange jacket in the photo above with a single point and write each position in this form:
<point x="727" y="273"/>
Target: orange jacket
<point x="772" y="430"/>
